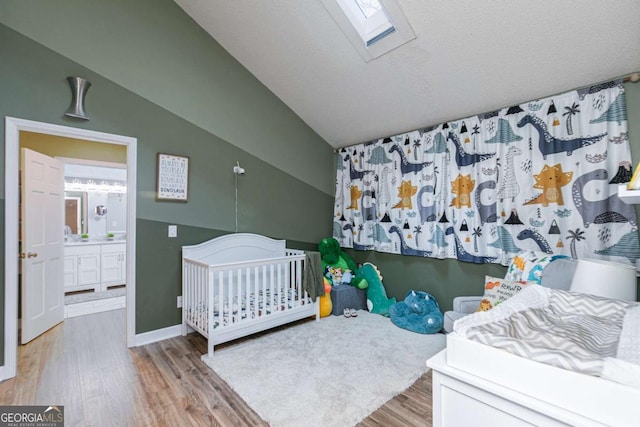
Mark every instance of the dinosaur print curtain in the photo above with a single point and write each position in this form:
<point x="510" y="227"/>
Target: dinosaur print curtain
<point x="539" y="176"/>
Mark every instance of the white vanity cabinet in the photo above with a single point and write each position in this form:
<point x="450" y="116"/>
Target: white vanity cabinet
<point x="113" y="265"/>
<point x="94" y="266"/>
<point x="82" y="267"/>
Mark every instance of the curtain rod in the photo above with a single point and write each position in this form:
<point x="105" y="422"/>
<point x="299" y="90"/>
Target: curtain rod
<point x="629" y="78"/>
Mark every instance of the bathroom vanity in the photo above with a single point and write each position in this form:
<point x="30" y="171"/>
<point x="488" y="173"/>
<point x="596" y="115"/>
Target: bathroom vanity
<point x="94" y="265"/>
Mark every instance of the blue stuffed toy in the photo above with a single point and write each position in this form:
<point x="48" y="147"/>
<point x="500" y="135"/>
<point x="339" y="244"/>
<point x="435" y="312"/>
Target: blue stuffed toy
<point x="419" y="312"/>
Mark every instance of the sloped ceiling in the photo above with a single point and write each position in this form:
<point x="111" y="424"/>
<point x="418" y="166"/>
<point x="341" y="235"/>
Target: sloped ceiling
<point x="469" y="57"/>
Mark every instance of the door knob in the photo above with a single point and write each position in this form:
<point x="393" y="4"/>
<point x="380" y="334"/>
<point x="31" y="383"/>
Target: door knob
<point x="32" y="254"/>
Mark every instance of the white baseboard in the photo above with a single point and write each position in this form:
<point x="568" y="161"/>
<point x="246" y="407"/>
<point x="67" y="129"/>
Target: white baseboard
<point x="6" y="372"/>
<point x="158" y="335"/>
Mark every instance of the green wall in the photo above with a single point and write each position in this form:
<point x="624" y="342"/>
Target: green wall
<point x="155" y="50"/>
<point x="444" y="279"/>
<point x="271" y="201"/>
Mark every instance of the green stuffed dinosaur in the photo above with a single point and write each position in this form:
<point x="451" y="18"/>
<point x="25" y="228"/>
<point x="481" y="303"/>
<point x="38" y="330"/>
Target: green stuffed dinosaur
<point x="335" y="260"/>
<point x="377" y="301"/>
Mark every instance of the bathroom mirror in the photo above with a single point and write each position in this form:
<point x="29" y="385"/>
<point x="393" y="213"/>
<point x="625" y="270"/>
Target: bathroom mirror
<point x="75" y="210"/>
<point x="95" y="199"/>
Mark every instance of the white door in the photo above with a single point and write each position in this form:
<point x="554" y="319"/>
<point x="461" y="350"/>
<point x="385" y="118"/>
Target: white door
<point x="42" y="248"/>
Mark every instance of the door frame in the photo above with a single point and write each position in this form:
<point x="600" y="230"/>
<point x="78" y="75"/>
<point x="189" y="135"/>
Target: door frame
<point x="13" y="127"/>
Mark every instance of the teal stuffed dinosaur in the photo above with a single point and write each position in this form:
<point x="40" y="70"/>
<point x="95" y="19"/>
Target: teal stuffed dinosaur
<point x="419" y="312"/>
<point x="339" y="266"/>
<point x="377" y="301"/>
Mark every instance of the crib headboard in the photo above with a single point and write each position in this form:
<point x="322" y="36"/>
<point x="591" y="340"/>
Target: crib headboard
<point x="234" y="248"/>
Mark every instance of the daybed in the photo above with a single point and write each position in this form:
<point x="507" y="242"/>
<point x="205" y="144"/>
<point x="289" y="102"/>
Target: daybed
<point x="240" y="284"/>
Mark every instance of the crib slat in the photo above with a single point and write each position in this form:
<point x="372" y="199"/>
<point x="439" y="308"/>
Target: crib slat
<point x="193" y="291"/>
<point x="198" y="293"/>
<point x="294" y="280"/>
<point x="196" y="314"/>
<point x="238" y="296"/>
<point x="220" y="289"/>
<point x="291" y="289"/>
<point x="272" y="287"/>
<point x="255" y="289"/>
<point x="205" y="305"/>
<point x="189" y="290"/>
<point x="200" y="286"/>
<point x="276" y="287"/>
<point x="185" y="284"/>
<point x="229" y="289"/>
<point x="284" y="285"/>
<point x="264" y="291"/>
<point x="199" y="304"/>
<point x="292" y="283"/>
<point x="247" y="292"/>
<point x="196" y="303"/>
<point x="187" y="307"/>
<point x="300" y="296"/>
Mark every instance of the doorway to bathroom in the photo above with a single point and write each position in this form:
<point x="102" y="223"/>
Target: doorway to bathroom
<point x="94" y="224"/>
<point x="95" y="234"/>
<point x="15" y="246"/>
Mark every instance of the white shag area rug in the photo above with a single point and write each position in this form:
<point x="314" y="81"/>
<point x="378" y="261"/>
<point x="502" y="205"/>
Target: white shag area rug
<point x="334" y="372"/>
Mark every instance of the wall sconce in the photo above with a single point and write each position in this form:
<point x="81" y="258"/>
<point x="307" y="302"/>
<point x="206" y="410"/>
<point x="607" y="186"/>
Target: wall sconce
<point x="238" y="170"/>
<point x="79" y="88"/>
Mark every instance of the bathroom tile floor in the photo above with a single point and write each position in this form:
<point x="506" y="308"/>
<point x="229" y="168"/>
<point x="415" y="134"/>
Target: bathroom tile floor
<point x="96" y="306"/>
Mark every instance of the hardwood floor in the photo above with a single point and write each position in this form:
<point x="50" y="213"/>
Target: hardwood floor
<point x="84" y="365"/>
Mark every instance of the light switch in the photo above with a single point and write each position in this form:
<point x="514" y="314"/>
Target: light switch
<point x="173" y="231"/>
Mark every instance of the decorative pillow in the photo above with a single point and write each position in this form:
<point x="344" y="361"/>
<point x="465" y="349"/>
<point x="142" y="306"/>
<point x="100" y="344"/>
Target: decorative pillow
<point x="528" y="266"/>
<point x="499" y="290"/>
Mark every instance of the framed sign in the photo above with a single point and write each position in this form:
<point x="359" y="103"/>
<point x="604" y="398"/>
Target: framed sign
<point x="173" y="178"/>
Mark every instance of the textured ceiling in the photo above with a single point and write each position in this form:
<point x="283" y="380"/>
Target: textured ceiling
<point x="468" y="58"/>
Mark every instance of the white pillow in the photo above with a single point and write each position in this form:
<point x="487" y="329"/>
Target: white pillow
<point x="498" y="290"/>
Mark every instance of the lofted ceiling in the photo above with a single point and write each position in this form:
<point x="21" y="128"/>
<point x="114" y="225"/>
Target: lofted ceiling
<point x="468" y="58"/>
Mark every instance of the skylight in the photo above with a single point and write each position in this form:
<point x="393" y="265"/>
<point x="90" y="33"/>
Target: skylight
<point x="368" y="18"/>
<point x="368" y="7"/>
<point x="374" y="27"/>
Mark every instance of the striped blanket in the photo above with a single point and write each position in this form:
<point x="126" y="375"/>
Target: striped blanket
<point x="583" y="333"/>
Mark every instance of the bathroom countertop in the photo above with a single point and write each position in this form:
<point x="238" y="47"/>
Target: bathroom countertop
<point x="94" y="242"/>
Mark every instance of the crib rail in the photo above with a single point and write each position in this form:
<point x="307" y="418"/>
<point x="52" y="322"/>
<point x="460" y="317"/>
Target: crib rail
<point x="226" y="295"/>
<point x="195" y="294"/>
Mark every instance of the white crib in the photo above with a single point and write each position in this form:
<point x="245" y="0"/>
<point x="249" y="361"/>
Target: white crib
<point x="240" y="284"/>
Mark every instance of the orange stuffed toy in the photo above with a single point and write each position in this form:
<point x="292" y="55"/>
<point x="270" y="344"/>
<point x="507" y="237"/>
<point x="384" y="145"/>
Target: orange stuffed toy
<point x="325" y="300"/>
